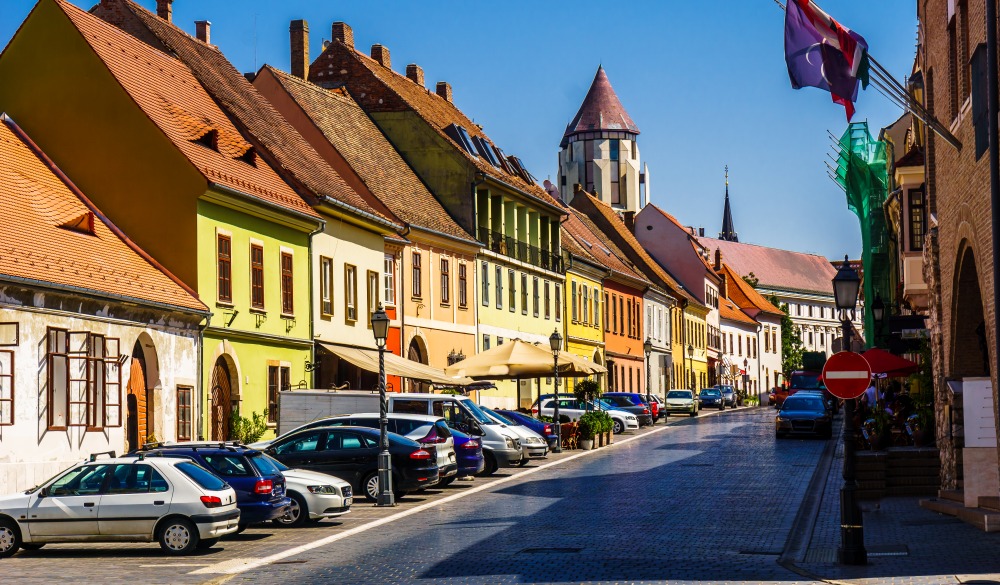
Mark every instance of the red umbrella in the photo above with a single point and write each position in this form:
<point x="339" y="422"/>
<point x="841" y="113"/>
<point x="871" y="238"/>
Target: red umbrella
<point x="883" y="362"/>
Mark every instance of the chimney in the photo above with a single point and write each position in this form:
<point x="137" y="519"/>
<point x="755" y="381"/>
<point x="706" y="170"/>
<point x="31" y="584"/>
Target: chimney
<point x="342" y="32"/>
<point x="381" y="54"/>
<point x="298" y="38"/>
<point x="629" y="218"/>
<point x="444" y="90"/>
<point x="701" y="232"/>
<point x="718" y="259"/>
<point x="165" y="9"/>
<point x="203" y="30"/>
<point x="415" y="73"/>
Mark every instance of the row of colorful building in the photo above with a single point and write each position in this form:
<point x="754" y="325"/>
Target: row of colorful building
<point x="183" y="241"/>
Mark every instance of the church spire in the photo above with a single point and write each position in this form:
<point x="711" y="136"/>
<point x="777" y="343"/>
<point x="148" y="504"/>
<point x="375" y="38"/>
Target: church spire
<point x="728" y="232"/>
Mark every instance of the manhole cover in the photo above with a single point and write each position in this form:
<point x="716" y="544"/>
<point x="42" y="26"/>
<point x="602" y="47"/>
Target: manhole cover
<point x="551" y="550"/>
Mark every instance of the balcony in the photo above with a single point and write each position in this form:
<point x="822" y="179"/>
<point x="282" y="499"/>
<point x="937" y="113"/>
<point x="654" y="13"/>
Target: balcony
<point x="510" y="247"/>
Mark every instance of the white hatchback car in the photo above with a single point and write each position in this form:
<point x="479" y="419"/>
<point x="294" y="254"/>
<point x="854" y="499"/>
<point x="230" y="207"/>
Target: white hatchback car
<point x="174" y="502"/>
<point x="314" y="495"/>
<point x="533" y="446"/>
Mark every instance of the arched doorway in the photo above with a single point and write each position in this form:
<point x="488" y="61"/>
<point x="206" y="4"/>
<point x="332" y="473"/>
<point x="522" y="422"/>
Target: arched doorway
<point x="140" y="411"/>
<point x="416" y="353"/>
<point x="969" y="356"/>
<point x="221" y="396"/>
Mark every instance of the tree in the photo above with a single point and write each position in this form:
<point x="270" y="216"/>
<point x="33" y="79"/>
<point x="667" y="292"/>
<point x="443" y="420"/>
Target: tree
<point x="791" y="342"/>
<point x="752" y="280"/>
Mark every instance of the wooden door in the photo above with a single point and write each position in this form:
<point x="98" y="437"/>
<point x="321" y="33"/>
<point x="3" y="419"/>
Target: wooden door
<point x="136" y="427"/>
<point x="221" y="400"/>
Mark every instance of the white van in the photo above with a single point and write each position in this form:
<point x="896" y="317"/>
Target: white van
<point x="501" y="447"/>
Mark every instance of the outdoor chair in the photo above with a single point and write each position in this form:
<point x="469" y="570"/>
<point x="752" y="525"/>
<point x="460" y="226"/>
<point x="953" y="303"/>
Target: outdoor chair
<point x="570" y="433"/>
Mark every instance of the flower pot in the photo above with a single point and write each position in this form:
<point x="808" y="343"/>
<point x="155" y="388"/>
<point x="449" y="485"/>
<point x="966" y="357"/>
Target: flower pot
<point x="611" y="437"/>
<point x="599" y="439"/>
<point x="586" y="444"/>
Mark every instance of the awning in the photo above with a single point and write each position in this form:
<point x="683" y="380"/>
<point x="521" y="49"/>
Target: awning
<point x="367" y="359"/>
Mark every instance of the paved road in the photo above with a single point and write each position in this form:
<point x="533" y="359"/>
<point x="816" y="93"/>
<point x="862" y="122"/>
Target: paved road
<point x="705" y="499"/>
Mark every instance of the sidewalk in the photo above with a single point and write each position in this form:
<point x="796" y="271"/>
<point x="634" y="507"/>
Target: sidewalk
<point x="905" y="543"/>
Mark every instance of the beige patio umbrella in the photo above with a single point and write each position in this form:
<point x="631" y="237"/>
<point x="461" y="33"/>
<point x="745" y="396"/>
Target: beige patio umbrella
<point x="520" y="359"/>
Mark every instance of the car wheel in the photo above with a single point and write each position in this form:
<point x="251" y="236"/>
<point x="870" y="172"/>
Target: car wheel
<point x="297" y="514"/>
<point x="207" y="543"/>
<point x="618" y="428"/>
<point x="10" y="538"/>
<point x="723" y="407"/>
<point x="490" y="467"/>
<point x="178" y="536"/>
<point x="446" y="481"/>
<point x="524" y="461"/>
<point x="693" y="414"/>
<point x="370" y="486"/>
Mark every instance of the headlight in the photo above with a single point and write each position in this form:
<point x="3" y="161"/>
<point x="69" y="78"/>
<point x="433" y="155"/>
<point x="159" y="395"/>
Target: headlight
<point x="321" y="489"/>
<point x="510" y="442"/>
<point x="781" y="419"/>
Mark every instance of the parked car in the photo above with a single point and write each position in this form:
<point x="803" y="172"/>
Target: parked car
<point x="541" y="427"/>
<point x="422" y="428"/>
<point x="469" y="455"/>
<point x="728" y="395"/>
<point x="351" y="453"/>
<point x="259" y="485"/>
<point x="314" y="496"/>
<point x="173" y="501"/>
<point x="810" y="380"/>
<point x="657" y="405"/>
<point x="533" y="446"/>
<point x="631" y="402"/>
<point x="681" y="401"/>
<point x="804" y="413"/>
<point x="573" y="408"/>
<point x="711" y="397"/>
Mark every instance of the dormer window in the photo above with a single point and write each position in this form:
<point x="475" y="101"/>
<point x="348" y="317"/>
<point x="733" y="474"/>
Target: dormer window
<point x="209" y="139"/>
<point x="502" y="159"/>
<point x="519" y="169"/>
<point x="485" y="150"/>
<point x="461" y="136"/>
<point x="249" y="157"/>
<point x="83" y="224"/>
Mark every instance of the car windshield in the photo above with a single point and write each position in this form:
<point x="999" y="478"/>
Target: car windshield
<point x="803" y="403"/>
<point x="477" y="414"/>
<point x="201" y="476"/>
<point x="804" y="381"/>
<point x="710" y="392"/>
<point x="679" y="394"/>
<point x="505" y="420"/>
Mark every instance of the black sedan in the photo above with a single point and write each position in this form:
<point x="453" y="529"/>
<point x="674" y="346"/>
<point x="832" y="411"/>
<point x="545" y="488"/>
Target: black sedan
<point x="711" y="398"/>
<point x="351" y="453"/>
<point x="804" y="414"/>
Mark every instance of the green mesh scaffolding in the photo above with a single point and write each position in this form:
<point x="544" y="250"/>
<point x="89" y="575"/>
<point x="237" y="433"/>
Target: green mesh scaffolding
<point x="862" y="172"/>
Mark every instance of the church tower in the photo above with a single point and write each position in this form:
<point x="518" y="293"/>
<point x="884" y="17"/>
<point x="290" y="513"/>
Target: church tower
<point x="599" y="151"/>
<point x="728" y="232"/>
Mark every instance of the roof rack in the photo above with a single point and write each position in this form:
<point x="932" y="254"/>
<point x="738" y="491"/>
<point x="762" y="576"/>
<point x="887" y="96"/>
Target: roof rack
<point x="111" y="454"/>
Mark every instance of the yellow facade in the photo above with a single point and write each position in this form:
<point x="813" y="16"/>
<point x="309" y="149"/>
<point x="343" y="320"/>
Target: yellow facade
<point x="690" y="332"/>
<point x="584" y="336"/>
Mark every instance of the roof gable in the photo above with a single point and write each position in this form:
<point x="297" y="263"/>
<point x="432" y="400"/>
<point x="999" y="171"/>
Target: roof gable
<point x="603" y="250"/>
<point x="777" y="269"/>
<point x="53" y="234"/>
<point x="744" y="295"/>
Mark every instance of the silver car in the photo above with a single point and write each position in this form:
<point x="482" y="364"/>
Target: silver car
<point x="533" y="445"/>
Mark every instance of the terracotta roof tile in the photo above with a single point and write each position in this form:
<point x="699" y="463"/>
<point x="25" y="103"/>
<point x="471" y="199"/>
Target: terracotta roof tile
<point x="603" y="250"/>
<point x="439" y="114"/>
<point x="356" y="137"/>
<point x="52" y="234"/>
<point x="601" y="109"/>
<point x="262" y="123"/>
<point x="774" y="268"/>
<point x="746" y="296"/>
<point x="729" y="310"/>
<point x="175" y="101"/>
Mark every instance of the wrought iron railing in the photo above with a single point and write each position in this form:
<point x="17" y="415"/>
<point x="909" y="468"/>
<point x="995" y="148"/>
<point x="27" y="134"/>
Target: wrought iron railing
<point x="510" y="246"/>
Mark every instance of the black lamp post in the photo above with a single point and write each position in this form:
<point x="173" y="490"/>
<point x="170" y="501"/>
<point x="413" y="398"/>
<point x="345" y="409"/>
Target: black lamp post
<point x="647" y="348"/>
<point x="555" y="342"/>
<point x="852" y="539"/>
<point x="878" y="312"/>
<point x="380" y="329"/>
<point x="691" y="370"/>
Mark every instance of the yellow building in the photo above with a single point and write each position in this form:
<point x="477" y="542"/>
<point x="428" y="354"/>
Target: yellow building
<point x="690" y="346"/>
<point x="583" y="323"/>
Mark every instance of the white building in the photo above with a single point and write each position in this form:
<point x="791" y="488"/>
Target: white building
<point x="99" y="345"/>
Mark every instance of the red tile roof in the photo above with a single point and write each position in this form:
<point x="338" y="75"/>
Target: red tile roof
<point x="53" y="234"/>
<point x="729" y="310"/>
<point x="173" y="99"/>
<point x="436" y="111"/>
<point x="377" y="163"/>
<point x="776" y="269"/>
<point x="745" y="296"/>
<point x="601" y="110"/>
<point x="602" y="249"/>
<point x="264" y="126"/>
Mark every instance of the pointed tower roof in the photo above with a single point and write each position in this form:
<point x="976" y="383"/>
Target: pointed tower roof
<point x="601" y="110"/>
<point x="728" y="232"/>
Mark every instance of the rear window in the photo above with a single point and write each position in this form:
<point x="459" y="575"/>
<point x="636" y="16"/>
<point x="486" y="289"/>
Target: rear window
<point x="226" y="465"/>
<point x="409" y="406"/>
<point x="201" y="476"/>
<point x="442" y="429"/>
<point x="405" y="426"/>
<point x="803" y="403"/>
<point x="264" y="465"/>
<point x="806" y="381"/>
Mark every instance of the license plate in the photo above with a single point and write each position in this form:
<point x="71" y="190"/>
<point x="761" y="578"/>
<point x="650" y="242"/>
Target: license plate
<point x="348" y="501"/>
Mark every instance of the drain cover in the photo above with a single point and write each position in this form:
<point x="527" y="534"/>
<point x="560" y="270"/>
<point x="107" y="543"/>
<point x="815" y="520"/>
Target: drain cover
<point x="551" y="550"/>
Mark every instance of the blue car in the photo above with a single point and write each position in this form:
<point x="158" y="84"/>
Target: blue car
<point x="259" y="485"/>
<point x="541" y="427"/>
<point x="468" y="454"/>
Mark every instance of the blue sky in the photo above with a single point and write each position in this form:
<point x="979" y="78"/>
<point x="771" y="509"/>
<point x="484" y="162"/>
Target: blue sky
<point x="705" y="82"/>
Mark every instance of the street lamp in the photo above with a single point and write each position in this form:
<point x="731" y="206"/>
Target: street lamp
<point x="555" y="342"/>
<point x="380" y="329"/>
<point x="691" y="370"/>
<point x="647" y="348"/>
<point x="878" y="312"/>
<point x="852" y="539"/>
<point x="746" y="375"/>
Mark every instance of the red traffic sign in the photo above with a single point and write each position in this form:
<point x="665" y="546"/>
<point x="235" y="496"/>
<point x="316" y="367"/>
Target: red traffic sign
<point x="847" y="375"/>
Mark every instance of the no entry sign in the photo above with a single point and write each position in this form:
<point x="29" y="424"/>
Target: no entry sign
<point x="847" y="375"/>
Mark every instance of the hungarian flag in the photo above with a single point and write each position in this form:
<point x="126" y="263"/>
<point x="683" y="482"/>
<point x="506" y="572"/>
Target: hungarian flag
<point x="820" y="52"/>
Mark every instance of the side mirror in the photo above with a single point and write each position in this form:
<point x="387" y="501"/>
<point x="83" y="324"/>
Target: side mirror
<point x="43" y="493"/>
<point x="270" y="451"/>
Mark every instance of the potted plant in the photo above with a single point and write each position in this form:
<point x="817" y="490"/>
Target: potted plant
<point x="878" y="428"/>
<point x="587" y="390"/>
<point x="588" y="430"/>
<point x="920" y="425"/>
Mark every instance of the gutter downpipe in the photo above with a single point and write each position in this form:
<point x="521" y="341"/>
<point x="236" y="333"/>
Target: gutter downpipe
<point x="312" y="299"/>
<point x="401" y="302"/>
<point x="201" y="376"/>
<point x="478" y="178"/>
